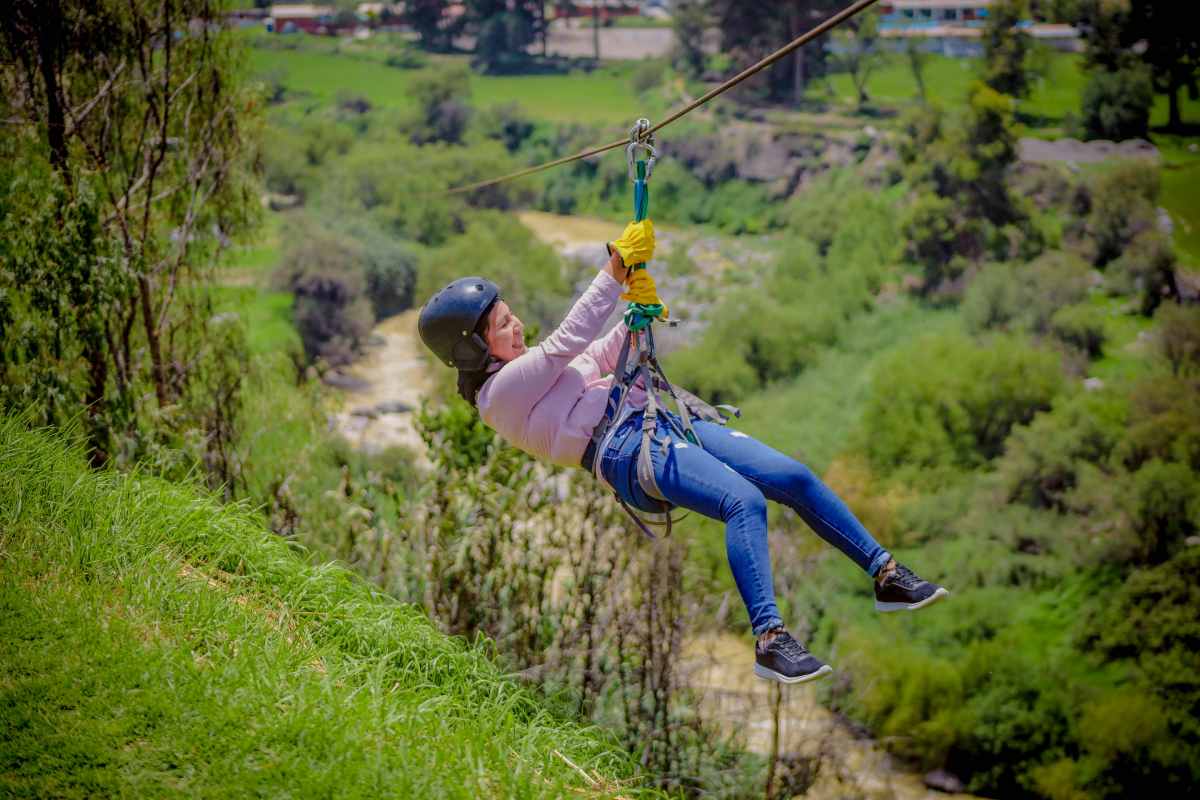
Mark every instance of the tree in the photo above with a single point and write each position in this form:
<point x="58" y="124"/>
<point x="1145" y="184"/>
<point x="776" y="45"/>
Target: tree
<point x="1119" y="33"/>
<point x="127" y="170"/>
<point x="1172" y="50"/>
<point x="689" y="21"/>
<point x="749" y="34"/>
<point x="504" y="31"/>
<point x="1005" y="47"/>
<point x="427" y="18"/>
<point x="918" y="59"/>
<point x="858" y="52"/>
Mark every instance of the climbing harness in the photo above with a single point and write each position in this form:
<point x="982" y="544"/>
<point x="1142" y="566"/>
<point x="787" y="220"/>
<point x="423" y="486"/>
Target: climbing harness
<point x="638" y="361"/>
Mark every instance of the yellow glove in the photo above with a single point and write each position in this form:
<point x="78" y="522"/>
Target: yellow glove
<point x="636" y="244"/>
<point x="642" y="290"/>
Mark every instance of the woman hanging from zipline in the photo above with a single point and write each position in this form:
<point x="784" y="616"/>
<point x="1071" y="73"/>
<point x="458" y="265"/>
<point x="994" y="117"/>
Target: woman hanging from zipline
<point x="548" y="400"/>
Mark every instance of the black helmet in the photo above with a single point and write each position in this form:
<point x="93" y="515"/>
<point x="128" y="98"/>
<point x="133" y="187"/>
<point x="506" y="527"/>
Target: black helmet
<point x="447" y="322"/>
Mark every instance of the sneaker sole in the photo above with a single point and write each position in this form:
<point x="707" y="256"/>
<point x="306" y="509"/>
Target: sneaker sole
<point x="771" y="675"/>
<point x="928" y="601"/>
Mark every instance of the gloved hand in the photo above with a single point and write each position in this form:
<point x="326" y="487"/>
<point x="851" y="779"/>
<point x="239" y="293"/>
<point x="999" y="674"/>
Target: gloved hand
<point x="642" y="290"/>
<point x="636" y="244"/>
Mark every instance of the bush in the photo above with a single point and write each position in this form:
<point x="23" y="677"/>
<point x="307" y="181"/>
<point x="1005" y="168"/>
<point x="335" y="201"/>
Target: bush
<point x="648" y="75"/>
<point x="1080" y="326"/>
<point x="1146" y="269"/>
<point x="330" y="308"/>
<point x="947" y="403"/>
<point x="443" y="110"/>
<point x="507" y="124"/>
<point x="1042" y="459"/>
<point x="1024" y="297"/>
<point x="1116" y="105"/>
<point x="1179" y="337"/>
<point x="1114" y="208"/>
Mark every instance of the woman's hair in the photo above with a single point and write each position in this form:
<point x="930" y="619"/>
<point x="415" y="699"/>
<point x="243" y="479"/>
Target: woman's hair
<point x="470" y="381"/>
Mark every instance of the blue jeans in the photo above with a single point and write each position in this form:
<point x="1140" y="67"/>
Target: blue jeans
<point x="730" y="479"/>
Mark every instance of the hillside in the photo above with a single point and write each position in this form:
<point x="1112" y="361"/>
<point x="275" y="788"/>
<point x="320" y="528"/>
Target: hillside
<point x="156" y="643"/>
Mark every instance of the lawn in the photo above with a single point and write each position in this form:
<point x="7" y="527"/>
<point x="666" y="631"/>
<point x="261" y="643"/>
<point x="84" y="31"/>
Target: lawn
<point x="602" y="96"/>
<point x="1055" y="93"/>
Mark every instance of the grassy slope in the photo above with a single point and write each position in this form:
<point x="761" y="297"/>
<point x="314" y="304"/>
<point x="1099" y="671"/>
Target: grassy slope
<point x="153" y="642"/>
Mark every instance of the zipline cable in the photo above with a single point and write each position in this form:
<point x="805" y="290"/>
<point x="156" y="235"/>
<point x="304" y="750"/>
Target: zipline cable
<point x="801" y="40"/>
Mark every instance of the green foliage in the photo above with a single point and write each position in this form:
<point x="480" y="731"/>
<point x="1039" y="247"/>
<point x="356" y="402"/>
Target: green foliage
<point x="1082" y="327"/>
<point x="507" y="124"/>
<point x="946" y="404"/>
<point x="1116" y="105"/>
<point x="324" y="273"/>
<point x="964" y="210"/>
<point x="1006" y="48"/>
<point x="648" y="76"/>
<point x="1179" y="337"/>
<point x="442" y="111"/>
<point x="772" y="331"/>
<point x="500" y="248"/>
<point x="1025" y="297"/>
<point x="1043" y="459"/>
<point x="1145" y="269"/>
<point x="689" y="21"/>
<point x="1115" y="207"/>
<point x="1151" y="625"/>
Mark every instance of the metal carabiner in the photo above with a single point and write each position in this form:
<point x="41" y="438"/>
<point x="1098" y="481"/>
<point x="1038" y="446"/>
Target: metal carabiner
<point x="640" y="138"/>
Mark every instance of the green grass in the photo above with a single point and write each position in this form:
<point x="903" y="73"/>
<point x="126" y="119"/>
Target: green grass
<point x="603" y="96"/>
<point x="156" y="643"/>
<point x="1053" y="96"/>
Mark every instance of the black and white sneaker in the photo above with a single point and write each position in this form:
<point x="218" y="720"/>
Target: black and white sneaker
<point x="904" y="590"/>
<point x="787" y="661"/>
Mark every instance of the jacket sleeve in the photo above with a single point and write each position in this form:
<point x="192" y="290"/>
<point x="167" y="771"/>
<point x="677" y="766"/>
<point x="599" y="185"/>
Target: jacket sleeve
<point x="604" y="351"/>
<point x="526" y="379"/>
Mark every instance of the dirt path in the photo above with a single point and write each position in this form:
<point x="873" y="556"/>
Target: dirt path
<point x="392" y="379"/>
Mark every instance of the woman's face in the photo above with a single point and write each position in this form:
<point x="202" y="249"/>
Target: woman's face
<point x="505" y="333"/>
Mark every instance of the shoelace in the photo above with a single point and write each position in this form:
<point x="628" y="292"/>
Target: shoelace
<point x="790" y="647"/>
<point x="905" y="577"/>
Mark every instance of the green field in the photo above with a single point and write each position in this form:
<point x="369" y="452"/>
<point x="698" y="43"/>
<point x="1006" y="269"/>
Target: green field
<point x="1055" y="94"/>
<point x="602" y="96"/>
<point x="156" y="643"/>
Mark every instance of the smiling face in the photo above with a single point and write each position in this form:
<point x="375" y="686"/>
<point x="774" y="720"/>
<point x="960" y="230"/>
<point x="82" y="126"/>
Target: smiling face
<point x="505" y="333"/>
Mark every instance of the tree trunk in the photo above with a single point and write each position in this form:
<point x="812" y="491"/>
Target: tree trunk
<point x="596" y="29"/>
<point x="1174" y="117"/>
<point x="152" y="340"/>
<point x="798" y="76"/>
<point x="49" y="39"/>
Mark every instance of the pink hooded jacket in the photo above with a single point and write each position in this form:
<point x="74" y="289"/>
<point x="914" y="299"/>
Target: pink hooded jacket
<point x="548" y="400"/>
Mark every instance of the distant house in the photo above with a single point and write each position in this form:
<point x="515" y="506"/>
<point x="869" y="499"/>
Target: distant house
<point x="954" y="27"/>
<point x="306" y="18"/>
<point x="604" y="9"/>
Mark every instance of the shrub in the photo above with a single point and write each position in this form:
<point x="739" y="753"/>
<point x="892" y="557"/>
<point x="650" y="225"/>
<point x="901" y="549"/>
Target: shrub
<point x="1117" y="206"/>
<point x="1042" y="459"/>
<point x="1116" y="105"/>
<point x="1146" y="269"/>
<point x="647" y="76"/>
<point x="1025" y="297"/>
<point x="1080" y="326"/>
<point x="1179" y="337"/>
<point x="443" y="111"/>
<point x="947" y="403"/>
<point x="330" y="308"/>
<point x="507" y="124"/>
